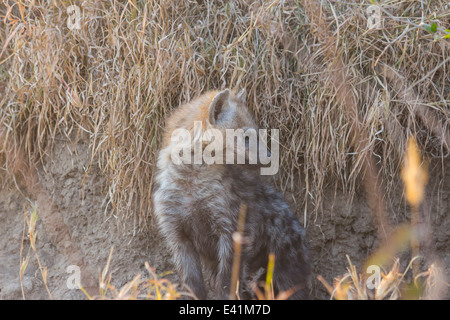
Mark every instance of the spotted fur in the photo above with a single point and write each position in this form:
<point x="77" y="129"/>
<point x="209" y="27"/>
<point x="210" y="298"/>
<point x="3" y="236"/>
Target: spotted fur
<point x="197" y="207"/>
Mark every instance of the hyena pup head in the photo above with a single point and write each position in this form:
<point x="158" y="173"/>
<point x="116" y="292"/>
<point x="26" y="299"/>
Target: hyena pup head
<point x="224" y="132"/>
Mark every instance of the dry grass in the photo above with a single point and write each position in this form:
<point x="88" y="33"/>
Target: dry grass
<point x="154" y="288"/>
<point x="114" y="80"/>
<point x="158" y="288"/>
<point x="393" y="284"/>
<point x="30" y="236"/>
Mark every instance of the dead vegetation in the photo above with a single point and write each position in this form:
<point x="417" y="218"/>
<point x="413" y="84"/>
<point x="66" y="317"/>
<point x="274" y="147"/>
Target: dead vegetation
<point x="345" y="96"/>
<point x="391" y="285"/>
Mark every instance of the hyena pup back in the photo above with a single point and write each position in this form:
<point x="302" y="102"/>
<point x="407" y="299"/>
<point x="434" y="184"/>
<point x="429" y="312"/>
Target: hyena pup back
<point x="197" y="203"/>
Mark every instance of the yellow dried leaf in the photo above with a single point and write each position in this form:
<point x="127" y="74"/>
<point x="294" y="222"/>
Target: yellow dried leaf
<point x="414" y="174"/>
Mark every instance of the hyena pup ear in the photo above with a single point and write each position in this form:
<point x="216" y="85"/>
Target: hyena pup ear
<point x="218" y="106"/>
<point x="242" y="96"/>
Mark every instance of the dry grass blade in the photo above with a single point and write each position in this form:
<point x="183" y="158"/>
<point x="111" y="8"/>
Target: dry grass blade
<point x="139" y="288"/>
<point x="31" y="235"/>
<point x="238" y="239"/>
<point x="391" y="285"/>
<point x="435" y="284"/>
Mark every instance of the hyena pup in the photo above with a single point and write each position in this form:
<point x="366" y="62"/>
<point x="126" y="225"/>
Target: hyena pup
<point x="197" y="204"/>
